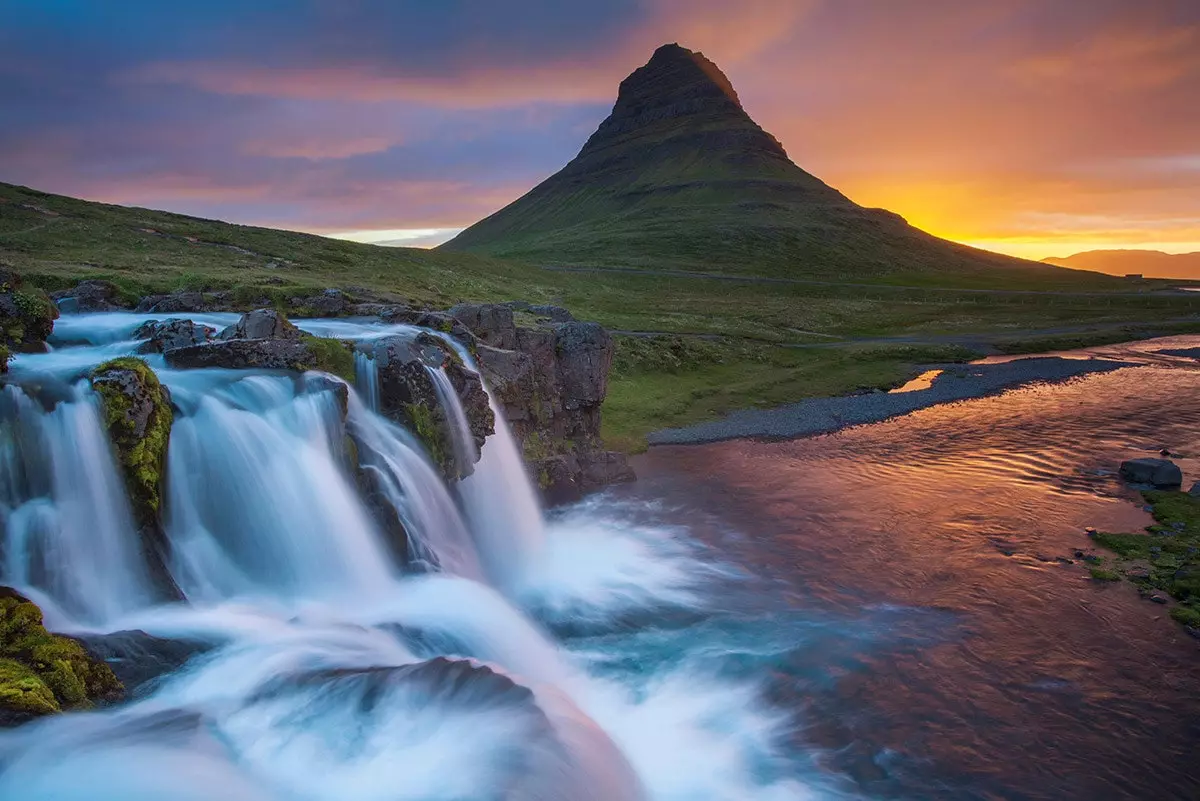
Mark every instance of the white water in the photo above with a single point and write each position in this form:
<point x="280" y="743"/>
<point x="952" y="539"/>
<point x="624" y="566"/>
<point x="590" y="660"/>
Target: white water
<point x="324" y="682"/>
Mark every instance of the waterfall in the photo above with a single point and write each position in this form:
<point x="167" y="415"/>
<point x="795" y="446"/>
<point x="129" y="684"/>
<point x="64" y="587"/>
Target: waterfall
<point x="337" y="673"/>
<point x="68" y="529"/>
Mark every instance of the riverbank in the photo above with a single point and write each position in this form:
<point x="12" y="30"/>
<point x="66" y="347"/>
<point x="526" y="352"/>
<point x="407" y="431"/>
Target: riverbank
<point x="955" y="382"/>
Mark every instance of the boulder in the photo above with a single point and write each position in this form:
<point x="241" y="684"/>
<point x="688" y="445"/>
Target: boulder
<point x="585" y="352"/>
<point x="89" y="296"/>
<point x="185" y="300"/>
<point x="137" y="659"/>
<point x="1195" y="490"/>
<point x="492" y="323"/>
<point x="242" y="354"/>
<point x="330" y="303"/>
<point x="173" y="333"/>
<point x="138" y="416"/>
<point x="409" y="396"/>
<point x="1162" y="473"/>
<point x="27" y="317"/>
<point x="43" y="673"/>
<point x="261" y="324"/>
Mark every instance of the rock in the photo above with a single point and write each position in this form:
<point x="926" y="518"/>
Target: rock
<point x="330" y="303"/>
<point x="1161" y="473"/>
<point x="137" y="659"/>
<point x="170" y="334"/>
<point x="585" y="352"/>
<point x="382" y="310"/>
<point x="241" y="354"/>
<point x="138" y="416"/>
<point x="89" y="296"/>
<point x="261" y="324"/>
<point x="1158" y="599"/>
<point x="185" y="300"/>
<point x="27" y="317"/>
<point x="601" y="468"/>
<point x="437" y="321"/>
<point x="408" y="395"/>
<point x="1195" y="490"/>
<point x="43" y="673"/>
<point x="491" y="322"/>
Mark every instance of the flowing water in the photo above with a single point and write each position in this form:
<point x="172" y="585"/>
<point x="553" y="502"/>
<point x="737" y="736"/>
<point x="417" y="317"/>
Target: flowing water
<point x="874" y="614"/>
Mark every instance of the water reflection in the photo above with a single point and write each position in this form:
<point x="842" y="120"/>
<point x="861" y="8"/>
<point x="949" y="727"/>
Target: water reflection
<point x="1045" y="685"/>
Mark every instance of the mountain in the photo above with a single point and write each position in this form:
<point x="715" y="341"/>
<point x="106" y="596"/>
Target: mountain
<point x="1150" y="263"/>
<point x="680" y="176"/>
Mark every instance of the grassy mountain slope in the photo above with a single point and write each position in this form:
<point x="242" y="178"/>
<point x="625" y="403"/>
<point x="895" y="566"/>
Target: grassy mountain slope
<point x="679" y="176"/>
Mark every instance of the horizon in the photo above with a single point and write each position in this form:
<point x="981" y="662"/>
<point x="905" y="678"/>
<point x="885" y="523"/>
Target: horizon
<point x="1059" y="130"/>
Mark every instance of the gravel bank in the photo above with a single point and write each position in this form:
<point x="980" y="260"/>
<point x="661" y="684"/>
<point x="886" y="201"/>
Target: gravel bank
<point x="822" y="415"/>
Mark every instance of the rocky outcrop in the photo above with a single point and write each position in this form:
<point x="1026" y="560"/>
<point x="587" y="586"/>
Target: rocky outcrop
<point x="137" y="659"/>
<point x="1161" y="473"/>
<point x="92" y="295"/>
<point x="186" y="300"/>
<point x="43" y="673"/>
<point x="265" y="339"/>
<point x="27" y="317"/>
<point x="408" y="394"/>
<point x="170" y="334"/>
<point x="330" y="303"/>
<point x="551" y="382"/>
<point x="138" y="416"/>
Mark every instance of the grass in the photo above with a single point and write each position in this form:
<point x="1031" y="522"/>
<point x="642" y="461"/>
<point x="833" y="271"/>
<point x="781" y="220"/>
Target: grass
<point x="1167" y="557"/>
<point x="56" y="241"/>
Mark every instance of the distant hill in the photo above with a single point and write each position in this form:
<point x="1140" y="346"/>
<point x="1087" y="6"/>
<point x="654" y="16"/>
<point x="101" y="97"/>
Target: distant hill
<point x="680" y="176"/>
<point x="1150" y="263"/>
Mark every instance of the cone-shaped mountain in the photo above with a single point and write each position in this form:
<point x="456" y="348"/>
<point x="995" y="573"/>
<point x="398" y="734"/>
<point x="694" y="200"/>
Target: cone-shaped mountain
<point x="680" y="176"/>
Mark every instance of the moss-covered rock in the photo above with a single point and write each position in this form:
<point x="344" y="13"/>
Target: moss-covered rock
<point x="43" y="673"/>
<point x="333" y="356"/>
<point x="27" y="317"/>
<point x="137" y="412"/>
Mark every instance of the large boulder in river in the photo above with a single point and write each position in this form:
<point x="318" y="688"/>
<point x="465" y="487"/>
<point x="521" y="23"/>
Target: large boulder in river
<point x="43" y="673"/>
<point x="1162" y="473"/>
<point x="138" y="659"/>
<point x="261" y="324"/>
<point x="408" y="394"/>
<point x="170" y="334"/>
<point x="27" y="317"/>
<point x="184" y="301"/>
<point x="138" y="416"/>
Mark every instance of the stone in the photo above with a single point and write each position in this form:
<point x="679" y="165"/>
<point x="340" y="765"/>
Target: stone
<point x="137" y="659"/>
<point x="261" y="324"/>
<point x="1195" y="489"/>
<point x="601" y="468"/>
<point x="330" y="303"/>
<point x="170" y="334"/>
<point x="1162" y="473"/>
<point x="408" y="395"/>
<point x="492" y="323"/>
<point x="585" y="352"/>
<point x="242" y="354"/>
<point x="91" y="295"/>
<point x="138" y="416"/>
<point x="42" y="673"/>
<point x="185" y="300"/>
<point x="27" y="317"/>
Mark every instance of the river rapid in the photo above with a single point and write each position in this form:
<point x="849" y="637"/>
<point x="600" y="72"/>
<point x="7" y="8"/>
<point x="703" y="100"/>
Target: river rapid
<point x="878" y="613"/>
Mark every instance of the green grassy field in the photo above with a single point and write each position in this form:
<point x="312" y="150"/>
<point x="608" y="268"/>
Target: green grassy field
<point x="724" y="345"/>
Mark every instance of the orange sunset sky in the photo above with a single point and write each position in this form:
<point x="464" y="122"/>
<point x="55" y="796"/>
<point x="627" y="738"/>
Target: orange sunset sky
<point x="1032" y="127"/>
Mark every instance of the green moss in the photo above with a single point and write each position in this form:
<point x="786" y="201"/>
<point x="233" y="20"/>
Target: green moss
<point x="1104" y="574"/>
<point x="427" y="428"/>
<point x="1187" y="615"/>
<point x="42" y="673"/>
<point x="142" y="453"/>
<point x="4" y="357"/>
<point x="334" y="356"/>
<point x="1167" y="558"/>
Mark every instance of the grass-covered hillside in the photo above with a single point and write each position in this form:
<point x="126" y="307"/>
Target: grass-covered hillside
<point x="722" y="344"/>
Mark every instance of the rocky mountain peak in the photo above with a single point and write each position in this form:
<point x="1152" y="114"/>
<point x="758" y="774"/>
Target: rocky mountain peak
<point x="676" y="87"/>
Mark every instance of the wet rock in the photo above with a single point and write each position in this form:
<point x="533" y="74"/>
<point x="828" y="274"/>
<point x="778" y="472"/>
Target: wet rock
<point x="261" y="324"/>
<point x="242" y="354"/>
<point x="27" y="317"/>
<point x="408" y="395"/>
<point x="437" y="321"/>
<point x="1195" y="490"/>
<point x="137" y="659"/>
<point x="43" y="673"/>
<point x="185" y="300"/>
<point x="384" y="311"/>
<point x="1161" y="473"/>
<point x="89" y="296"/>
<point x="138" y="417"/>
<point x="1158" y="599"/>
<point x="585" y="352"/>
<point x="170" y="334"/>
<point x="601" y="468"/>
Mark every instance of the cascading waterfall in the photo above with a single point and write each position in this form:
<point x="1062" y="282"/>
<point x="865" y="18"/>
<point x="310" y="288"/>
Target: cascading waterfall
<point x="332" y="673"/>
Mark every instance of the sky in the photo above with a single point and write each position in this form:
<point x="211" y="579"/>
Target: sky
<point x="1033" y="127"/>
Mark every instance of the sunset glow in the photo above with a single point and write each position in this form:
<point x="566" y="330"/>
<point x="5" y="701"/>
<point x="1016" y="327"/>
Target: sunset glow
<point x="1032" y="128"/>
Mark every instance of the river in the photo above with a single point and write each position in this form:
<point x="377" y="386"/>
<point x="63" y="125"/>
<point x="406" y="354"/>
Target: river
<point x="878" y="613"/>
